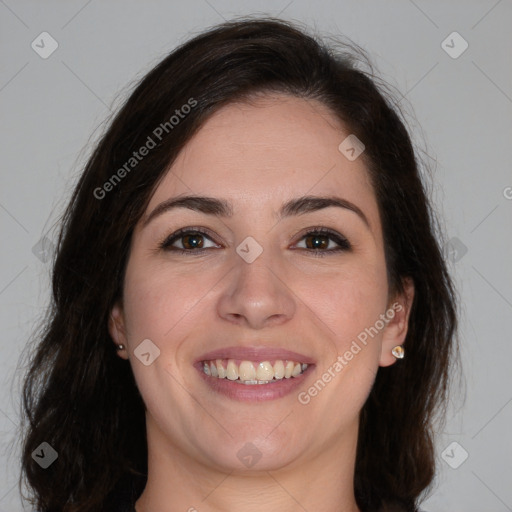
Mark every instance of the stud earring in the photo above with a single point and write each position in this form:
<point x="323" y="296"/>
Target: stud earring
<point x="120" y="347"/>
<point x="398" y="352"/>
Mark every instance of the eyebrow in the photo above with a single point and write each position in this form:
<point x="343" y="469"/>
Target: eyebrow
<point x="222" y="208"/>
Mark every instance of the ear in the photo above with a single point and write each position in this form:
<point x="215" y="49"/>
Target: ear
<point x="117" y="330"/>
<point x="395" y="330"/>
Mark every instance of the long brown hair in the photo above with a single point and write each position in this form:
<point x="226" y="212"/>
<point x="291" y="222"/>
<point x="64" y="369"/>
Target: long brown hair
<point x="81" y="398"/>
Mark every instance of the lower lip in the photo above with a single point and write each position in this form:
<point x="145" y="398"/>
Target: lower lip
<point x="254" y="392"/>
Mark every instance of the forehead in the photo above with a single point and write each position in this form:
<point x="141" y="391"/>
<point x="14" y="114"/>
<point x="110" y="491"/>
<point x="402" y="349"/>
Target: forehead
<point x="265" y="151"/>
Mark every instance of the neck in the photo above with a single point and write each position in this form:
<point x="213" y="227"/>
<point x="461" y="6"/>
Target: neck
<point x="178" y="482"/>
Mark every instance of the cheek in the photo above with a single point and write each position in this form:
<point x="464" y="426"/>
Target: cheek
<point x="159" y="300"/>
<point x="348" y="370"/>
<point x="347" y="301"/>
<point x="162" y="306"/>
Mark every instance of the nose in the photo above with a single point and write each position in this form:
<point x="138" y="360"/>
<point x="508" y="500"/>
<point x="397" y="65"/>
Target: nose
<point x="256" y="295"/>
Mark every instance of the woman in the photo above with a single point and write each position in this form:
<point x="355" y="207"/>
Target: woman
<point x="251" y="309"/>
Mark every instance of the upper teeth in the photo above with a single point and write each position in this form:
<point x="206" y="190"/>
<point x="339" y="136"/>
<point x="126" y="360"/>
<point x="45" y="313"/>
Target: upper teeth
<point x="253" y="373"/>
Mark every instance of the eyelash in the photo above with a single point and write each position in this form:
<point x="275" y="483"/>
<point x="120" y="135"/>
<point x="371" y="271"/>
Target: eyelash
<point x="343" y="243"/>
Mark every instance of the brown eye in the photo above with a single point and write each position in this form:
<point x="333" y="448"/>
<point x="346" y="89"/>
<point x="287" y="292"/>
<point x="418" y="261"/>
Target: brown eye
<point x="322" y="241"/>
<point x="317" y="241"/>
<point x="188" y="241"/>
<point x="192" y="241"/>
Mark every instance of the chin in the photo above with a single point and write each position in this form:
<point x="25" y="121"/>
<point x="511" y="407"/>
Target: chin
<point x="251" y="451"/>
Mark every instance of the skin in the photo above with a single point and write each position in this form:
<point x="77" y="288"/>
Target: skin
<point x="257" y="155"/>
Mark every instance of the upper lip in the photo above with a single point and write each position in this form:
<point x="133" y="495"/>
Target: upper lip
<point x="255" y="354"/>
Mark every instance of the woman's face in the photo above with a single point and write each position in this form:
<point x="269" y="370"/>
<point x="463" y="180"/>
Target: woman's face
<point x="256" y="294"/>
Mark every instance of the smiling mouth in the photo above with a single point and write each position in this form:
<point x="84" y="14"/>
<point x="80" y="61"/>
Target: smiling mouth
<point x="251" y="372"/>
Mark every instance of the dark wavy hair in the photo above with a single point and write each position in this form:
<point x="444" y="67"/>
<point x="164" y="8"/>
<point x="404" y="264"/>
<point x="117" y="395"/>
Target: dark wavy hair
<point x="81" y="398"/>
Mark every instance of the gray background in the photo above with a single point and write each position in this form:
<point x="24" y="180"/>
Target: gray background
<point x="51" y="110"/>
